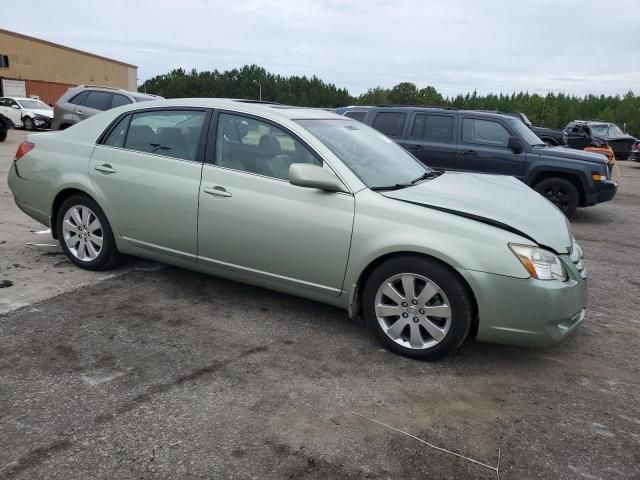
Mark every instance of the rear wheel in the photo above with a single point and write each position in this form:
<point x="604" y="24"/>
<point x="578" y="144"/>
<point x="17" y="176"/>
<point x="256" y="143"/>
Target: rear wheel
<point x="28" y="123"/>
<point x="418" y="307"/>
<point x="561" y="192"/>
<point x="85" y="234"/>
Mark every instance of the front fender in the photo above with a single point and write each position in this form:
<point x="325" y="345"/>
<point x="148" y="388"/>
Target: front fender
<point x="383" y="227"/>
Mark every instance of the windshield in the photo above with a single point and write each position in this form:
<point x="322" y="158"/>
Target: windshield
<point x="526" y="134"/>
<point x="526" y="120"/>
<point x="34" y="104"/>
<point x="377" y="160"/>
<point x="606" y="130"/>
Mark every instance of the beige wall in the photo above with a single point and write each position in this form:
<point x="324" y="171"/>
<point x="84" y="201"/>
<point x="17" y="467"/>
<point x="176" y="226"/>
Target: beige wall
<point x="34" y="60"/>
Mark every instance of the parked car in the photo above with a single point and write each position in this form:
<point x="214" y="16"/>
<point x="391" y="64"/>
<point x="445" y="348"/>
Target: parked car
<point x="489" y="142"/>
<point x="581" y="134"/>
<point x="313" y="204"/>
<point x="5" y="125"/>
<point x="29" y="113"/>
<point x="635" y="152"/>
<point x="84" y="101"/>
<point x="551" y="136"/>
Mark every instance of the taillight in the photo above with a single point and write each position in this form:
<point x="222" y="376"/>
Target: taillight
<point x="23" y="149"/>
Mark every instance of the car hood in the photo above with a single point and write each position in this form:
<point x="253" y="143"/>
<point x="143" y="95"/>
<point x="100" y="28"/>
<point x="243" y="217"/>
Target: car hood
<point x="501" y="201"/>
<point x="620" y="138"/>
<point x="572" y="154"/>
<point x="38" y="111"/>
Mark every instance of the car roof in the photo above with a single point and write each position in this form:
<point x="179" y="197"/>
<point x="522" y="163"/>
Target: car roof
<point x="425" y="108"/>
<point x="113" y="90"/>
<point x="21" y="98"/>
<point x="273" y="110"/>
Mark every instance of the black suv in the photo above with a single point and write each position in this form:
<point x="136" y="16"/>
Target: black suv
<point x="493" y="143"/>
<point x="581" y="134"/>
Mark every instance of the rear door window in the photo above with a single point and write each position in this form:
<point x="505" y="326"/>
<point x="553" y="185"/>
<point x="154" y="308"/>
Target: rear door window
<point x="98" y="100"/>
<point x="390" y="123"/>
<point x="433" y="127"/>
<point x="170" y="133"/>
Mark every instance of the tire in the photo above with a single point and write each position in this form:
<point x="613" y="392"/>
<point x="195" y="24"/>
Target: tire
<point x="561" y="192"/>
<point x="28" y="123"/>
<point x="397" y="332"/>
<point x="3" y="134"/>
<point x="82" y="245"/>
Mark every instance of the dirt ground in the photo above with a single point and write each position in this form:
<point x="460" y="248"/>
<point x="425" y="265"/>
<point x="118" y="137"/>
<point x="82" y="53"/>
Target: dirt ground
<point x="166" y="373"/>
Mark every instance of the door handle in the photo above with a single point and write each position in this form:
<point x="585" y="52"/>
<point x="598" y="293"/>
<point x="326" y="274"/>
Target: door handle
<point x="468" y="152"/>
<point x="79" y="112"/>
<point x="217" y="191"/>
<point x="105" y="168"/>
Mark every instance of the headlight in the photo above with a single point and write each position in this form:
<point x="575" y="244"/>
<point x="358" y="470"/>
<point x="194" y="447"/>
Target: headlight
<point x="540" y="263"/>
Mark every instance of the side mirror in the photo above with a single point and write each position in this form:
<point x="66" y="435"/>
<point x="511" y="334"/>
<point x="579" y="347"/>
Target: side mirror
<point x="17" y="107"/>
<point x="515" y="145"/>
<point x="314" y="176"/>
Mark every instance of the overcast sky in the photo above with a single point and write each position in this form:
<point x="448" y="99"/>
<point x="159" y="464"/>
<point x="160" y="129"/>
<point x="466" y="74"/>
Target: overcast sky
<point x="574" y="46"/>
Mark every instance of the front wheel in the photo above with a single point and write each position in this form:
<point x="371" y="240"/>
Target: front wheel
<point x="85" y="234"/>
<point x="28" y="123"/>
<point x="418" y="307"/>
<point x="561" y="192"/>
<point x="3" y="134"/>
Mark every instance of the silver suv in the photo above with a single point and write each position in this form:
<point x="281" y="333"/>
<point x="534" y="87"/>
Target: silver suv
<point x="84" y="101"/>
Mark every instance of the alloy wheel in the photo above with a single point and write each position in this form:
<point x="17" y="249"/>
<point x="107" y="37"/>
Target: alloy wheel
<point x="82" y="233"/>
<point x="413" y="311"/>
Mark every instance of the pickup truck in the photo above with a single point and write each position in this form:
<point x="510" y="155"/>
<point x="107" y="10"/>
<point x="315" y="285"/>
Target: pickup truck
<point x="551" y="136"/>
<point x="493" y="143"/>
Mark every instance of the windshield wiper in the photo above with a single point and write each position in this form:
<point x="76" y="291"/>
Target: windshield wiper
<point x="427" y="176"/>
<point x="397" y="186"/>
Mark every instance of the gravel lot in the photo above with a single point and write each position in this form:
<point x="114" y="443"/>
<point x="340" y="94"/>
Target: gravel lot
<point x="165" y="373"/>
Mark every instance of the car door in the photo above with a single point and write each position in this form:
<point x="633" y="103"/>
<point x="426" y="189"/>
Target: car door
<point x="483" y="147"/>
<point x="13" y="110"/>
<point x="253" y="222"/>
<point x="4" y="106"/>
<point x="578" y="136"/>
<point x="430" y="138"/>
<point x="147" y="169"/>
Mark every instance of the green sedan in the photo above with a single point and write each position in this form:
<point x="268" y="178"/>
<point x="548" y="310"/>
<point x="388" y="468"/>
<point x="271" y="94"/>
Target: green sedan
<point x="313" y="204"/>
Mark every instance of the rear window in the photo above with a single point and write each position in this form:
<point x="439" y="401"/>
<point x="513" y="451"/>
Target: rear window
<point x="390" y="123"/>
<point x="119" y="100"/>
<point x="356" y="115"/>
<point x="144" y="99"/>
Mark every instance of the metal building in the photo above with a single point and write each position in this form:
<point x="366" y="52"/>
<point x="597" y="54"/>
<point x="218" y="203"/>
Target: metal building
<point x="33" y="67"/>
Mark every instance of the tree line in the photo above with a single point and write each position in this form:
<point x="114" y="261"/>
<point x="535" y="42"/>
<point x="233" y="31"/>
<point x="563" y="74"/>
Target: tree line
<point x="552" y="110"/>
